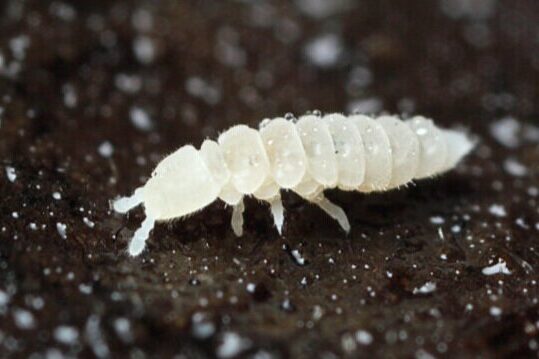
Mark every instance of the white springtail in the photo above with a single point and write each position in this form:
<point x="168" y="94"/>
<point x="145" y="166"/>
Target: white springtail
<point x="307" y="156"/>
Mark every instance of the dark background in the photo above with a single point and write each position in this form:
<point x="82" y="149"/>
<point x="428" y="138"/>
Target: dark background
<point x="94" y="93"/>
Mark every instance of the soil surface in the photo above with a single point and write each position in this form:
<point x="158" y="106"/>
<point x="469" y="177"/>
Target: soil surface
<point x="94" y="93"/>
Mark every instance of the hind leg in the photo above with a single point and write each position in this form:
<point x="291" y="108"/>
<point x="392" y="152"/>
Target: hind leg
<point x="334" y="211"/>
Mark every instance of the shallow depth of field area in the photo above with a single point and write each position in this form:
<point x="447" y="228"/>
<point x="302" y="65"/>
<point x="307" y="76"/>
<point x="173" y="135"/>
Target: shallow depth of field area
<point x="93" y="94"/>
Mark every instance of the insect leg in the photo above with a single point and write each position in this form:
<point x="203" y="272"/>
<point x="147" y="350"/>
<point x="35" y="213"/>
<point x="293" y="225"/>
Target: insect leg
<point x="334" y="211"/>
<point x="237" y="218"/>
<point x="125" y="204"/>
<point x="138" y="242"/>
<point x="277" y="211"/>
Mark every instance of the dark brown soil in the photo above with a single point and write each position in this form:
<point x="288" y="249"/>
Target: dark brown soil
<point x="94" y="93"/>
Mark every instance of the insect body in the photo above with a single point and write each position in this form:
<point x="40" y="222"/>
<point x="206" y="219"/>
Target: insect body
<point x="307" y="156"/>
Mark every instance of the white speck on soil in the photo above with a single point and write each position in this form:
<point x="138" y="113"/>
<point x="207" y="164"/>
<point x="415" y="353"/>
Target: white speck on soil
<point x="498" y="268"/>
<point x="70" y="96"/>
<point x="200" y="88"/>
<point x="365" y="105"/>
<point x="497" y="210"/>
<point x="94" y="337"/>
<point x="61" y="228"/>
<point x="232" y="344"/>
<point x="364" y="337"/>
<point x="426" y="288"/>
<point x="144" y="49"/>
<point x="495" y="311"/>
<point x="4" y="298"/>
<point x="251" y="287"/>
<point x="130" y="84"/>
<point x="11" y="174"/>
<point x="19" y="45"/>
<point x="297" y="257"/>
<point x="320" y="9"/>
<point x="85" y="288"/>
<point x="105" y="149"/>
<point x="66" y="335"/>
<point x="24" y="319"/>
<point x="505" y="131"/>
<point x="437" y="220"/>
<point x="140" y="119"/>
<point x="122" y="326"/>
<point x="324" y="51"/>
<point x="88" y="222"/>
<point x="514" y="167"/>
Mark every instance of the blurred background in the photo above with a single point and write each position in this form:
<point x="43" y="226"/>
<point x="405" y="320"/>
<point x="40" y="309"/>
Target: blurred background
<point x="94" y="93"/>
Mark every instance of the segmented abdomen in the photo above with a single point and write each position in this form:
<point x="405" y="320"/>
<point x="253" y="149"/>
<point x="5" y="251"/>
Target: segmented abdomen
<point x="354" y="152"/>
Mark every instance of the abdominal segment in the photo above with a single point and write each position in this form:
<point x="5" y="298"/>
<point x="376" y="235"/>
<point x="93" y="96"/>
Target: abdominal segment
<point x="352" y="153"/>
